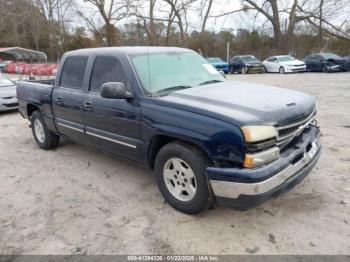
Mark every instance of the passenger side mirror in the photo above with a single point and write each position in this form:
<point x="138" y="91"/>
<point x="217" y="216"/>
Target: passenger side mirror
<point x="115" y="90"/>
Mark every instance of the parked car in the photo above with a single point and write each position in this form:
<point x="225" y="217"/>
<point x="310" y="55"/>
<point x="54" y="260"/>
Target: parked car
<point x="219" y="64"/>
<point x="245" y="64"/>
<point x="168" y="109"/>
<point x="3" y="64"/>
<point x="347" y="63"/>
<point x="283" y="64"/>
<point x="324" y="62"/>
<point x="8" y="99"/>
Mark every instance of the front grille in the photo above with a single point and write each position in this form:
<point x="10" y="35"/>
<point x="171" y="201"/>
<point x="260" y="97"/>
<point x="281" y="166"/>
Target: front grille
<point x="287" y="132"/>
<point x="11" y="105"/>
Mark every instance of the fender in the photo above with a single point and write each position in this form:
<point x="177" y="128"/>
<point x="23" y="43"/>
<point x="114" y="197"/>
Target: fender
<point x="219" y="139"/>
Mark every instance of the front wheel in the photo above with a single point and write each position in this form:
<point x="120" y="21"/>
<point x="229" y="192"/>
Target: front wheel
<point x="44" y="138"/>
<point x="325" y="69"/>
<point x="181" y="177"/>
<point x="244" y="70"/>
<point x="282" y="71"/>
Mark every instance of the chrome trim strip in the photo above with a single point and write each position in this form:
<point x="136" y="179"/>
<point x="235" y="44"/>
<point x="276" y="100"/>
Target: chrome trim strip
<point x="70" y="127"/>
<point x="111" y="139"/>
<point x="234" y="190"/>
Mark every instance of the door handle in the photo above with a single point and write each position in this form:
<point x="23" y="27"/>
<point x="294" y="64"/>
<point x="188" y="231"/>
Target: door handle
<point x="59" y="100"/>
<point x="88" y="106"/>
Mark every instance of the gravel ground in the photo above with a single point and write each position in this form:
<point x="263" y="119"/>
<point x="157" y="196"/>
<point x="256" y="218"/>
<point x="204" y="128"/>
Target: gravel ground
<point x="74" y="200"/>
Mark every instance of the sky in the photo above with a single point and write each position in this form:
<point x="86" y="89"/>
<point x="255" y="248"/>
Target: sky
<point x="235" y="21"/>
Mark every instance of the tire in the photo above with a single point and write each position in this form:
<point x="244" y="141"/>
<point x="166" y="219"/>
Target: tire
<point x="324" y="69"/>
<point x="173" y="165"/>
<point x="44" y="138"/>
<point x="244" y="70"/>
<point x="264" y="70"/>
<point x="282" y="71"/>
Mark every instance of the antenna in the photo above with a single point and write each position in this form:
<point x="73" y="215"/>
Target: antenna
<point x="149" y="70"/>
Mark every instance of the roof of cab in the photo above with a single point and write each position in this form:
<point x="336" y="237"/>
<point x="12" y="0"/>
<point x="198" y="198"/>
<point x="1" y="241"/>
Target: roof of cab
<point x="128" y="50"/>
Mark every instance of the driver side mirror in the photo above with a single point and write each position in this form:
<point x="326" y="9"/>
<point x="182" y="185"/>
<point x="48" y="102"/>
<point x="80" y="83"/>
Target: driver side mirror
<point x="115" y="90"/>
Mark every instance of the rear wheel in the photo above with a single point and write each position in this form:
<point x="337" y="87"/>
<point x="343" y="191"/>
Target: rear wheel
<point x="180" y="174"/>
<point x="44" y="138"/>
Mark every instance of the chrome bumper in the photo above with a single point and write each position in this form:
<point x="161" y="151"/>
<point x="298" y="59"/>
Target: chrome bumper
<point x="233" y="190"/>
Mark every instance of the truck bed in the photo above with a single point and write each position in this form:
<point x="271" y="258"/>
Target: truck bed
<point x="36" y="94"/>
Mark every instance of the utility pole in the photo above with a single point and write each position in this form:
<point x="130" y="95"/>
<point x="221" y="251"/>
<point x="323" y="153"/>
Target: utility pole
<point x="228" y="52"/>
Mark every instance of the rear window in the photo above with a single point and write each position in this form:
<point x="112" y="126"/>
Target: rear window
<point x="73" y="72"/>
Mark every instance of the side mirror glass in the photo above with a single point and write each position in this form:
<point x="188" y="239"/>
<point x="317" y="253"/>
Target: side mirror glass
<point x="115" y="90"/>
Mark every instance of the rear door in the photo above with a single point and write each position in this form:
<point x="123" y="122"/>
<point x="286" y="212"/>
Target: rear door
<point x="111" y="124"/>
<point x="67" y="97"/>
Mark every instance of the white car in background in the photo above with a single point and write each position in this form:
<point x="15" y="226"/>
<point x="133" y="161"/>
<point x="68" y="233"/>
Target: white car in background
<point x="8" y="95"/>
<point x="283" y="64"/>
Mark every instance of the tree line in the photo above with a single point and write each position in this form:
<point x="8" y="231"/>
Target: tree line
<point x="289" y="26"/>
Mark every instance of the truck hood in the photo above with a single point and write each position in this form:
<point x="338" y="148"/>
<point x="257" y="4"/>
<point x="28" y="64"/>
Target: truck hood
<point x="243" y="103"/>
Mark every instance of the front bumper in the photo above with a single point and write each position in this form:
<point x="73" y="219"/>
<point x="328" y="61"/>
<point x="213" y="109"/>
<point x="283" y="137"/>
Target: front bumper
<point x="6" y="105"/>
<point x="295" y="69"/>
<point x="244" y="188"/>
<point x="254" y="69"/>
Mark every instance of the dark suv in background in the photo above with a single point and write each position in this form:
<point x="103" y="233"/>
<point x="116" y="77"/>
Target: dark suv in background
<point x="245" y="64"/>
<point x="325" y="62"/>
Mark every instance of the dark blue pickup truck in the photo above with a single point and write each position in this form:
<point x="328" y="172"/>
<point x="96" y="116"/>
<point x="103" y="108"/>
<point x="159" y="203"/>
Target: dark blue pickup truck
<point x="206" y="138"/>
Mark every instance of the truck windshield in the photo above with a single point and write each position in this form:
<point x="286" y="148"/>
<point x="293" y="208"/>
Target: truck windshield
<point x="163" y="73"/>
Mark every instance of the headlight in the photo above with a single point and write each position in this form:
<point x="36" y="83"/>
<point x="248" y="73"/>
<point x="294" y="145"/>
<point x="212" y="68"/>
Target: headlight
<point x="258" y="133"/>
<point x="263" y="139"/>
<point x="263" y="157"/>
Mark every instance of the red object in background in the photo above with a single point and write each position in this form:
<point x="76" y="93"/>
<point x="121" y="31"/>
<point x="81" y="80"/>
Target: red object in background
<point x="27" y="69"/>
<point x="52" y="69"/>
<point x="10" y="68"/>
<point x="31" y="69"/>
<point x="20" y="67"/>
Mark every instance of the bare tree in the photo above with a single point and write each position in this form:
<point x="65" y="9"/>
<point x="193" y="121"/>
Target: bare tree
<point x="208" y="5"/>
<point x="55" y="12"/>
<point x="179" y="8"/>
<point x="111" y="12"/>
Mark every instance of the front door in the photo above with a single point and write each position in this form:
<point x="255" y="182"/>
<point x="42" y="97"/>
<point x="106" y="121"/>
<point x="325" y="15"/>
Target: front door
<point x="67" y="98"/>
<point x="111" y="124"/>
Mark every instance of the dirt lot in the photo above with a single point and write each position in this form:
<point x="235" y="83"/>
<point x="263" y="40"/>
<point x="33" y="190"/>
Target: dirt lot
<point x="74" y="200"/>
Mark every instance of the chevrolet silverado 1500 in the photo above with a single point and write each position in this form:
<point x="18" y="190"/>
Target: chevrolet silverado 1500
<point x="206" y="138"/>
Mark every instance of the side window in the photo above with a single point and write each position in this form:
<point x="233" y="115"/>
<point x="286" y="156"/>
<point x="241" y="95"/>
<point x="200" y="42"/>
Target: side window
<point x="106" y="69"/>
<point x="73" y="72"/>
<point x="271" y="59"/>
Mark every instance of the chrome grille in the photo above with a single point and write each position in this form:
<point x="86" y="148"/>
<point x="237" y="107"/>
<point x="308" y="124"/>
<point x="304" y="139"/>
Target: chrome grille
<point x="286" y="133"/>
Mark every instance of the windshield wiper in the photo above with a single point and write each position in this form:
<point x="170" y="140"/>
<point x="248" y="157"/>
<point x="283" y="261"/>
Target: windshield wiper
<point x="210" y="82"/>
<point x="166" y="91"/>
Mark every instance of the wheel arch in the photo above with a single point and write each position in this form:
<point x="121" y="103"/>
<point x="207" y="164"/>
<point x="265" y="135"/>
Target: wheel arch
<point x="31" y="108"/>
<point x="158" y="141"/>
